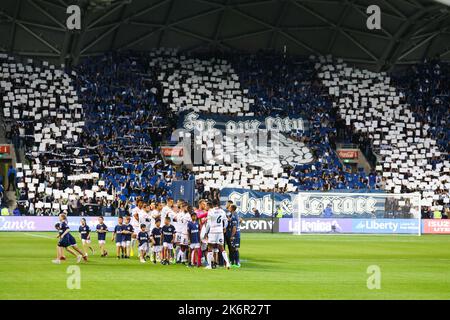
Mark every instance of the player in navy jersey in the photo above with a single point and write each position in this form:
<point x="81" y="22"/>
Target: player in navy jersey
<point x="228" y="232"/>
<point x="143" y="240"/>
<point x="57" y="227"/>
<point x="85" y="233"/>
<point x="157" y="240"/>
<point x="195" y="251"/>
<point x="66" y="240"/>
<point x="168" y="233"/>
<point x="102" y="229"/>
<point x="117" y="236"/>
<point x="235" y="238"/>
<point x="127" y="231"/>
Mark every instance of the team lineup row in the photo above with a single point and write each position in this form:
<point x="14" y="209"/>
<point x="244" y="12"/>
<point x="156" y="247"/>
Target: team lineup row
<point x="169" y="232"/>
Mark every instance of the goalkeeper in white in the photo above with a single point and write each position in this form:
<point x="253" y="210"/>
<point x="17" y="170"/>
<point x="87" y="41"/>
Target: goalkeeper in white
<point x="217" y="222"/>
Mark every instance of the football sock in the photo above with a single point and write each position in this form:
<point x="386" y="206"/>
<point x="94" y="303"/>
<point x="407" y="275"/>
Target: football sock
<point x="225" y="258"/>
<point x="209" y="258"/>
<point x="199" y="256"/>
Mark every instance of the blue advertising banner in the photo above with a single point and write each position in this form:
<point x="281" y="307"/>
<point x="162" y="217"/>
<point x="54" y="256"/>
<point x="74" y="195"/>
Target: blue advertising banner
<point x="389" y="226"/>
<point x="361" y="226"/>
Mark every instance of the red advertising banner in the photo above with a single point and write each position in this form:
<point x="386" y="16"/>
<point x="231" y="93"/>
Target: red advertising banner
<point x="348" y="154"/>
<point x="436" y="226"/>
<point x="172" y="151"/>
<point x="5" y="149"/>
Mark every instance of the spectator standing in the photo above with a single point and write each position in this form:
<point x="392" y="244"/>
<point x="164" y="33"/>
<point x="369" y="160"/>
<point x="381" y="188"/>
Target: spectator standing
<point x="437" y="214"/>
<point x="16" y="212"/>
<point x="11" y="178"/>
<point x="4" y="211"/>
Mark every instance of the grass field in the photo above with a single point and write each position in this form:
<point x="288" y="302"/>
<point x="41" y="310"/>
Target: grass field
<point x="274" y="267"/>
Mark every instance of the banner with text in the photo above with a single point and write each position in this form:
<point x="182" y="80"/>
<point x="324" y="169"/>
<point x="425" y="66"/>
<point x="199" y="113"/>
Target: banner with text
<point x="239" y="124"/>
<point x="355" y="225"/>
<point x="326" y="204"/>
<point x="284" y="225"/>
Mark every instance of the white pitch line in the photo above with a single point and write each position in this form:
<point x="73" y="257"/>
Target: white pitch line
<point x="38" y="235"/>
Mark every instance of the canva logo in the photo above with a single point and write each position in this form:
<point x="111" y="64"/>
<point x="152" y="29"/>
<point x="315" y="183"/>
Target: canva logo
<point x="15" y="225"/>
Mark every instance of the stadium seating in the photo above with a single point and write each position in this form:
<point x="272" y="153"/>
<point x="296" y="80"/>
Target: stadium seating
<point x="275" y="86"/>
<point x="92" y="134"/>
<point x="410" y="158"/>
<point x="43" y="102"/>
<point x="86" y="152"/>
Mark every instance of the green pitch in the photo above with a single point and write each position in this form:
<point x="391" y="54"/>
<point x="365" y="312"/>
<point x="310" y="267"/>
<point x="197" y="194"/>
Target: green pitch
<point x="273" y="267"/>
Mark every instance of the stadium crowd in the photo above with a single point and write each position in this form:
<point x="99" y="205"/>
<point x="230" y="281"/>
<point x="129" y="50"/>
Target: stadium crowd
<point x="91" y="135"/>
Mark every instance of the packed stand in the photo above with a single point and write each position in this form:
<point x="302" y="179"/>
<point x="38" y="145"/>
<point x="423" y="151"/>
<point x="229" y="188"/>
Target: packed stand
<point x="410" y="159"/>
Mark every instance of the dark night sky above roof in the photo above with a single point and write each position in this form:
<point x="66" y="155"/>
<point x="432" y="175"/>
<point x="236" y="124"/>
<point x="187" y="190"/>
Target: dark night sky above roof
<point x="411" y="29"/>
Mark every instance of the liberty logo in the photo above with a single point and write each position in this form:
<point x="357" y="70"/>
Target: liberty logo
<point x="182" y="190"/>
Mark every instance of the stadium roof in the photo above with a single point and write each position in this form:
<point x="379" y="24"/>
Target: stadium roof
<point x="411" y="29"/>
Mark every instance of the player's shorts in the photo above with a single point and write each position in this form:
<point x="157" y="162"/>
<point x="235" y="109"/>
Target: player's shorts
<point x="236" y="242"/>
<point x="194" y="246"/>
<point x="178" y="237"/>
<point x="168" y="245"/>
<point x="215" y="238"/>
<point x="67" y="241"/>
<point x="143" y="247"/>
<point x="126" y="243"/>
<point x="101" y="241"/>
<point x="157" y="249"/>
<point x="184" y="240"/>
<point x="83" y="241"/>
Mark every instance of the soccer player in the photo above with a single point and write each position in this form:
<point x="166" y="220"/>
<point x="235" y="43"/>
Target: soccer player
<point x="175" y="217"/>
<point x="57" y="227"/>
<point x="228" y="233"/>
<point x="66" y="240"/>
<point x="102" y="229"/>
<point x="202" y="218"/>
<point x="235" y="238"/>
<point x="118" y="237"/>
<point x="143" y="240"/>
<point x="167" y="208"/>
<point x="217" y="221"/>
<point x="157" y="240"/>
<point x="168" y="233"/>
<point x="85" y="233"/>
<point x="194" y="241"/>
<point x="135" y="223"/>
<point x="127" y="231"/>
<point x="183" y="219"/>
